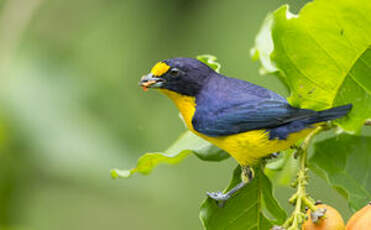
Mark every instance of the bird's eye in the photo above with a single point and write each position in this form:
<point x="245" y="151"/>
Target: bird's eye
<point x="174" y="72"/>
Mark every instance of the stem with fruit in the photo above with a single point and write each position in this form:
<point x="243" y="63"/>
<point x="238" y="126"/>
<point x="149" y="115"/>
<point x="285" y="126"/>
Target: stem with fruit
<point x="301" y="199"/>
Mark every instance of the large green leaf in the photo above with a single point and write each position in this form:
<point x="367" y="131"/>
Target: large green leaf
<point x="345" y="162"/>
<point x="314" y="53"/>
<point x="186" y="144"/>
<point x="253" y="207"/>
<point x="356" y="89"/>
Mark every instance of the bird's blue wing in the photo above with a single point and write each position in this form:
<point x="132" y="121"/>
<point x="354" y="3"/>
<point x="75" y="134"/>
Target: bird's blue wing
<point x="245" y="117"/>
<point x="221" y="111"/>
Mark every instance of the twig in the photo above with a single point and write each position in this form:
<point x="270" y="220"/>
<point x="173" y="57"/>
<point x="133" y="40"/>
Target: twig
<point x="301" y="199"/>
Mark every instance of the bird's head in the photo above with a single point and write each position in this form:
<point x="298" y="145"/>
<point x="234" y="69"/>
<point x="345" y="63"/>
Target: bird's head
<point x="184" y="76"/>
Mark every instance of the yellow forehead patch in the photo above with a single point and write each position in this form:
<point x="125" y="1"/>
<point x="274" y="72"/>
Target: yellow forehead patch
<point x="159" y="69"/>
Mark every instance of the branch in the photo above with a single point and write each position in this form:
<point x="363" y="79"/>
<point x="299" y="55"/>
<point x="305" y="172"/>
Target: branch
<point x="301" y="199"/>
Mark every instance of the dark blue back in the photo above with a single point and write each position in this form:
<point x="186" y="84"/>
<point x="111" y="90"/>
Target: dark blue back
<point x="228" y="106"/>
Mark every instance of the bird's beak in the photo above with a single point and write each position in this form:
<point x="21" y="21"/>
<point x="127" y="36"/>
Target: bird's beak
<point x="151" y="81"/>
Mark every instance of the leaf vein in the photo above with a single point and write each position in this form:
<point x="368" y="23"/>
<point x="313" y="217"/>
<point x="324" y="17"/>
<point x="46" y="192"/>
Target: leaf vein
<point x="243" y="213"/>
<point x="342" y="83"/>
<point x="300" y="71"/>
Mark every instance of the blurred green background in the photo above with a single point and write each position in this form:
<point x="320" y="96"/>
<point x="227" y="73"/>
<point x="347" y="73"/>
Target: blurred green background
<point x="71" y="109"/>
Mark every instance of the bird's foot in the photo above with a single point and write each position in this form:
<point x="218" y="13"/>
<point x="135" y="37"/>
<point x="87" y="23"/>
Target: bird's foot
<point x="219" y="197"/>
<point x="247" y="174"/>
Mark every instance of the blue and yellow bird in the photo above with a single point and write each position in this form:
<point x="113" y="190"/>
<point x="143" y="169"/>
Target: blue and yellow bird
<point x="246" y="120"/>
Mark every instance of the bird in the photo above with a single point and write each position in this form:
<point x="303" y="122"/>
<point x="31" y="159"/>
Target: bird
<point x="247" y="121"/>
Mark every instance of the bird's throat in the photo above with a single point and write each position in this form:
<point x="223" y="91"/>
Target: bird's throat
<point x="185" y="104"/>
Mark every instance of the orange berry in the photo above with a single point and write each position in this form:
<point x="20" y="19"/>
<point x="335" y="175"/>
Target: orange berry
<point x="360" y="220"/>
<point x="331" y="221"/>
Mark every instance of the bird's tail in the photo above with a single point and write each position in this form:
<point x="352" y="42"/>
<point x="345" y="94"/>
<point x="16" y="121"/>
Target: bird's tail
<point x="331" y="114"/>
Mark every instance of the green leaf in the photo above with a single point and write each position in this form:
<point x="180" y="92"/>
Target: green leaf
<point x="211" y="153"/>
<point x="345" y="162"/>
<point x="210" y="60"/>
<point x="283" y="170"/>
<point x="186" y="144"/>
<point x="356" y="89"/>
<point x="254" y="207"/>
<point x="264" y="47"/>
<point x="148" y="161"/>
<point x="318" y="55"/>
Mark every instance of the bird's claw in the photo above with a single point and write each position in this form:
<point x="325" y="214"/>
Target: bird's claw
<point x="219" y="197"/>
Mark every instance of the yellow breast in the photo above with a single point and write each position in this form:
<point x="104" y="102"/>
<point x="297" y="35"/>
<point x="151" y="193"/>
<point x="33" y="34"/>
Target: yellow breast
<point x="246" y="148"/>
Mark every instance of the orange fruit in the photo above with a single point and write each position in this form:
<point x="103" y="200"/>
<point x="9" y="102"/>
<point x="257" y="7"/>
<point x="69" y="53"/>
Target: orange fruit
<point x="360" y="220"/>
<point x="331" y="221"/>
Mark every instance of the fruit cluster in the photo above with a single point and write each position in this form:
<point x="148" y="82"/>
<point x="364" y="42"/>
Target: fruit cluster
<point x="332" y="219"/>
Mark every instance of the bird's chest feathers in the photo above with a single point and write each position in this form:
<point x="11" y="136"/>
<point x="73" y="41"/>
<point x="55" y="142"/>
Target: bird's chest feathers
<point x="185" y="104"/>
